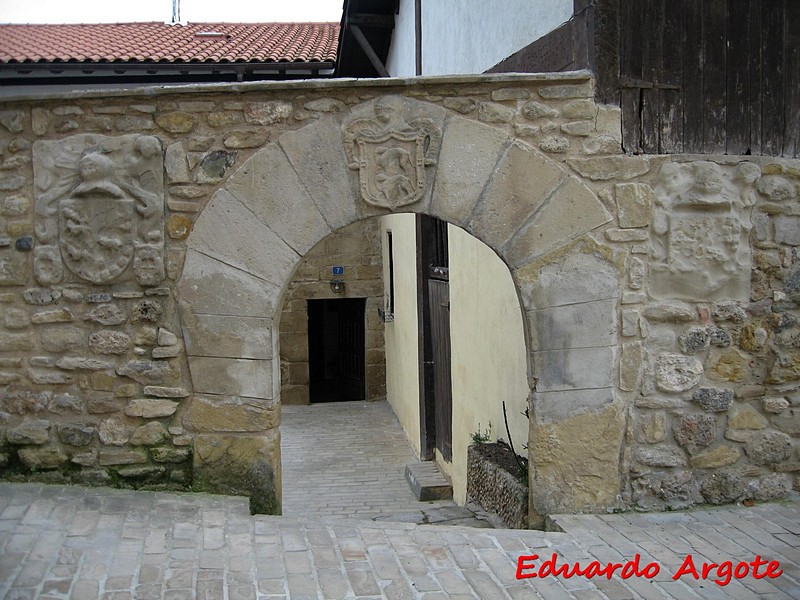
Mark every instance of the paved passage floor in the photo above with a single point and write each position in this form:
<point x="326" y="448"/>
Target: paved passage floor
<point x="347" y="459"/>
<point x="60" y="542"/>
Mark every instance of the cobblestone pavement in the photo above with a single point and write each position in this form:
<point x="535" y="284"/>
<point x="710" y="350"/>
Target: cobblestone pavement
<point x="89" y="543"/>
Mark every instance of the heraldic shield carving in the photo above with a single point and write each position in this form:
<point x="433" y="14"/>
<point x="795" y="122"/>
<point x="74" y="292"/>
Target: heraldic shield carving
<point x="99" y="210"/>
<point x="391" y="154"/>
<point x="699" y="238"/>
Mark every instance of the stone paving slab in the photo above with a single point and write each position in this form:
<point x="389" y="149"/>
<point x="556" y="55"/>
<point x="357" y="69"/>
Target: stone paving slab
<point x="61" y="542"/>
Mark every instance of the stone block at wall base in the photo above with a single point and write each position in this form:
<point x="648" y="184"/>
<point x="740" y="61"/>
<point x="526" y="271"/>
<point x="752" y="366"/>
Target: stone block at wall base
<point x="241" y="466"/>
<point x="590" y="480"/>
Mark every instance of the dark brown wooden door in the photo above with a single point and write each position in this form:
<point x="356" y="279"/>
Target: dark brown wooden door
<point x="336" y="349"/>
<point x="439" y="299"/>
<point x="436" y="404"/>
<point x="351" y="349"/>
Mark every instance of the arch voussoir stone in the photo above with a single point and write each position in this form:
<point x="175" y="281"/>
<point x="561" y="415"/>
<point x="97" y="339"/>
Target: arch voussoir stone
<point x="470" y="153"/>
<point x="316" y="152"/>
<point x="229" y="232"/>
<point x="269" y="187"/>
<point x="571" y="211"/>
<point x="212" y="286"/>
<point x="523" y="181"/>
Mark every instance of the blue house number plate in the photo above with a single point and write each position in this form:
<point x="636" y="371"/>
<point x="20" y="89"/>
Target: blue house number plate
<point x="337" y="270"/>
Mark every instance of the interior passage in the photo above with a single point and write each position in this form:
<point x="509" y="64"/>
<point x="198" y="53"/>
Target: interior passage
<point x="346" y="459"/>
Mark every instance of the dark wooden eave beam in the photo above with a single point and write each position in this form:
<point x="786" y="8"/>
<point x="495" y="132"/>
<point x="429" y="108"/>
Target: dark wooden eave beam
<point x="368" y="50"/>
<point x="370" y="20"/>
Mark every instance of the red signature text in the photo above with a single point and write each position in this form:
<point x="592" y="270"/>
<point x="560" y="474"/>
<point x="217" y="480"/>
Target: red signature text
<point x="526" y="568"/>
<point x="726" y="570"/>
<point x="720" y="573"/>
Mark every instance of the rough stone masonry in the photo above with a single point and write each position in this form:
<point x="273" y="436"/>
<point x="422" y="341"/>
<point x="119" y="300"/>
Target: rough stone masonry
<point x="147" y="239"/>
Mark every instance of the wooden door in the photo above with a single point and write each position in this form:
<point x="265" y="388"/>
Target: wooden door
<point x="439" y="298"/>
<point x="351" y="381"/>
<point x="336" y="349"/>
<point x="436" y="404"/>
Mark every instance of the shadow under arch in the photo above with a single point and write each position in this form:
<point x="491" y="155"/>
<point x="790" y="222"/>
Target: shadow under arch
<point x="250" y="238"/>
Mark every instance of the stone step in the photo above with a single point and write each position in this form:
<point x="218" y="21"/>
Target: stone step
<point x="428" y="482"/>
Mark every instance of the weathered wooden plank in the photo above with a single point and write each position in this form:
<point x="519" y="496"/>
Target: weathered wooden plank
<point x="693" y="78"/>
<point x="772" y="91"/>
<point x="631" y="67"/>
<point x="714" y="84"/>
<point x="739" y="114"/>
<point x="608" y="49"/>
<point x="652" y="20"/>
<point x="671" y="73"/>
<point x="754" y="60"/>
<point x="791" y="140"/>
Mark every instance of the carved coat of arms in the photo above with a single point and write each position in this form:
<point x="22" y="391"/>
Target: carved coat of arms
<point x="699" y="236"/>
<point x="99" y="210"/>
<point x="391" y="154"/>
<point x="96" y="224"/>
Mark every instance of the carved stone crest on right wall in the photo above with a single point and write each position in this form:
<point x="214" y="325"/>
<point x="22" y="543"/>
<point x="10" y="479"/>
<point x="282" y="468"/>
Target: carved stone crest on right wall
<point x="699" y="237"/>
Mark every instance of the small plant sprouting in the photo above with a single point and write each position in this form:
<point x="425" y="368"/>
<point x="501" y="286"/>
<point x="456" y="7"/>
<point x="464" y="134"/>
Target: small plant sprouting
<point x="481" y="438"/>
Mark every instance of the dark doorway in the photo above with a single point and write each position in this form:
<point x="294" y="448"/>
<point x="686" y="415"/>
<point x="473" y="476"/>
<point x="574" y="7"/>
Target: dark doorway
<point x="434" y="309"/>
<point x="336" y="349"/>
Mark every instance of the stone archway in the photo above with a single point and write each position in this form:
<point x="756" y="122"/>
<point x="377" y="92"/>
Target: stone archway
<point x="384" y="155"/>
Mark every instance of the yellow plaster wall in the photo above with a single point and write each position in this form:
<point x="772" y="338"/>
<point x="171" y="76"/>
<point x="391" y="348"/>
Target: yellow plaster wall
<point x="488" y="351"/>
<point x="402" y="355"/>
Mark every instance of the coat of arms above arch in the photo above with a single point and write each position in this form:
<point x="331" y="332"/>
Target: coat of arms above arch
<point x="393" y="147"/>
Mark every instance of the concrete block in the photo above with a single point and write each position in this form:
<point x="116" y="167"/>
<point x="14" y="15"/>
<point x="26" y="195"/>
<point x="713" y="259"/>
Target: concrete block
<point x="554" y="406"/>
<point x="578" y="277"/>
<point x="210" y="286"/>
<point x="574" y="369"/>
<point x="227" y="336"/>
<point x="586" y="325"/>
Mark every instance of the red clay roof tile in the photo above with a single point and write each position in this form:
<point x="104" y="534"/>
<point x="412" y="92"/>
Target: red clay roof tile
<point x="160" y="42"/>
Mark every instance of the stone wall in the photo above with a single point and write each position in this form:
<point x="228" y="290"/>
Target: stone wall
<point x="149" y="237"/>
<point x="716" y="417"/>
<point x="357" y="248"/>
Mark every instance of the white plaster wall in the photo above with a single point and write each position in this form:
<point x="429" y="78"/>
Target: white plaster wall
<point x="402" y="353"/>
<point x="470" y="36"/>
<point x="488" y="351"/>
<point x="401" y="61"/>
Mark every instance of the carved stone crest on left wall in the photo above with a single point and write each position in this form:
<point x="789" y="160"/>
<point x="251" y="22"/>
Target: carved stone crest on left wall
<point x="99" y="210"/>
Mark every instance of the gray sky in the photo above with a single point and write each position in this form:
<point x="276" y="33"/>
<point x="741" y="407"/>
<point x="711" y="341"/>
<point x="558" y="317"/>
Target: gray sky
<point x="198" y="11"/>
